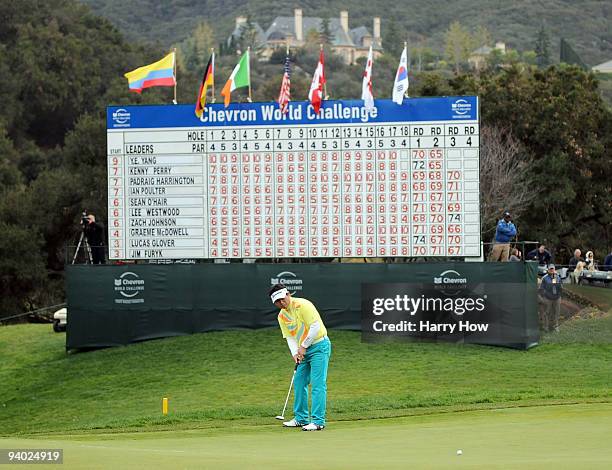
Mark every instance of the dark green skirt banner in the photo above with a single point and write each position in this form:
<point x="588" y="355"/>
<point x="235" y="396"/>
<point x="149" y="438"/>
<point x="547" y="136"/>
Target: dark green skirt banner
<point x="111" y="305"/>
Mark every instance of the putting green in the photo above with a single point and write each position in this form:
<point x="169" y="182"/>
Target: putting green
<point x="563" y="436"/>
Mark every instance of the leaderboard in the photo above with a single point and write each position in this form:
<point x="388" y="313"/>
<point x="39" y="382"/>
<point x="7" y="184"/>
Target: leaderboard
<point x="249" y="182"/>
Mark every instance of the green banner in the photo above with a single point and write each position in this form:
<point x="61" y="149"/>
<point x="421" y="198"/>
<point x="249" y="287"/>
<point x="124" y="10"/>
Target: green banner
<point x="112" y="305"/>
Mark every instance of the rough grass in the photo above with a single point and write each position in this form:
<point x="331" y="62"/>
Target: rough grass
<point x="601" y="297"/>
<point x="218" y="379"/>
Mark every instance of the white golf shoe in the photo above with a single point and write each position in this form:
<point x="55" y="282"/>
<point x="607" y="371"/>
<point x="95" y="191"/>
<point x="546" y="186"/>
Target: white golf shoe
<point x="292" y="424"/>
<point x="312" y="427"/>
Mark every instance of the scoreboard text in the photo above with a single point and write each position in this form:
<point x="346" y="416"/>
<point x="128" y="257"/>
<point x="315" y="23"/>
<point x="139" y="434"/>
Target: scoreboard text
<point x="248" y="182"/>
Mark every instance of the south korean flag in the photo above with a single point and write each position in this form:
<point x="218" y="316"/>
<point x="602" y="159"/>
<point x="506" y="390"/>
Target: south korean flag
<point x="400" y="86"/>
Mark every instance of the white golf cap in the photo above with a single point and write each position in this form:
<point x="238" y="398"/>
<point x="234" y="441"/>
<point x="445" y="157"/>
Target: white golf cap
<point x="279" y="294"/>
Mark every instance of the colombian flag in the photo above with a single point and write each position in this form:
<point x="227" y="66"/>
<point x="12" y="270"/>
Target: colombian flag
<point x="160" y="73"/>
<point x="208" y="80"/>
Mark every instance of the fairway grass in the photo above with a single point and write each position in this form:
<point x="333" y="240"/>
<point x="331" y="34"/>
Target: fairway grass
<point x="550" y="437"/>
<point x="221" y="379"/>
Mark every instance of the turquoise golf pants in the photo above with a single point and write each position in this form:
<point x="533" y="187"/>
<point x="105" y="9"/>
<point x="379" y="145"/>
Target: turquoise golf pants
<point x="312" y="370"/>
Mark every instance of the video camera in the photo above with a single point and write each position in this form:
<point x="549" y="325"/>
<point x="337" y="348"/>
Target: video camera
<point x="84" y="218"/>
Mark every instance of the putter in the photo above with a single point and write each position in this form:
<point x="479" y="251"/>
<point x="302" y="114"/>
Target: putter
<point x="281" y="417"/>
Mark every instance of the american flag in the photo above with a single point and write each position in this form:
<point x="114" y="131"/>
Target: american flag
<point x="285" y="91"/>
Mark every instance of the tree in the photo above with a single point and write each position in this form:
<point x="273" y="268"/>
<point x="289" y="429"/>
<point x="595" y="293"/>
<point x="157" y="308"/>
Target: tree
<point x="47" y="178"/>
<point x="193" y="52"/>
<point x="393" y="42"/>
<point x="512" y="57"/>
<point x="424" y="58"/>
<point x="21" y="267"/>
<point x="529" y="57"/>
<point x="432" y="84"/>
<point x="482" y="37"/>
<point x="325" y="34"/>
<point x="495" y="58"/>
<point x="9" y="173"/>
<point x="458" y="45"/>
<point x="506" y="182"/>
<point x="565" y="129"/>
<point x="249" y="37"/>
<point x="542" y="48"/>
<point x="312" y="38"/>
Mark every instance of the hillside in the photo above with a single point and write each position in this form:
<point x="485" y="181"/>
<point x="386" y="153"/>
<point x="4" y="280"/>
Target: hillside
<point x="585" y="24"/>
<point x="53" y="161"/>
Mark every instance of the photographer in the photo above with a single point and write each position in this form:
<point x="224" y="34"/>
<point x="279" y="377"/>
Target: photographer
<point x="504" y="233"/>
<point x="95" y="237"/>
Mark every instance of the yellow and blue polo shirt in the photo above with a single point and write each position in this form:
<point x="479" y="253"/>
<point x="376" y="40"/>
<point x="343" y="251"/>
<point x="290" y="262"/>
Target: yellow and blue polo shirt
<point x="295" y="320"/>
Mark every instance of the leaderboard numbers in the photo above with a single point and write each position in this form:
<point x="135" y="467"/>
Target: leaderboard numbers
<point x="359" y="200"/>
<point x="325" y="203"/>
<point x="345" y="190"/>
<point x="257" y="204"/>
<point x="429" y="226"/>
<point x="392" y="195"/>
<point x="224" y="198"/>
<point x="290" y="215"/>
<point x="454" y="209"/>
<point x="116" y="200"/>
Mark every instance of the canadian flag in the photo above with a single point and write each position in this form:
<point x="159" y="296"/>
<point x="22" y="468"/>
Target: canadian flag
<point x="366" y="85"/>
<point x="315" y="95"/>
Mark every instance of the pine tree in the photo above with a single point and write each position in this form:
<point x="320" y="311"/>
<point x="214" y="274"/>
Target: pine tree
<point x="458" y="45"/>
<point x="393" y="42"/>
<point x="542" y="48"/>
<point x="325" y="33"/>
<point x="249" y="37"/>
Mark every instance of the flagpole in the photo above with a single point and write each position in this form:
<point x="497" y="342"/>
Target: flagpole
<point x="212" y="50"/>
<point x="407" y="67"/>
<point x="249" y="65"/>
<point x="325" y="83"/>
<point x="175" y="77"/>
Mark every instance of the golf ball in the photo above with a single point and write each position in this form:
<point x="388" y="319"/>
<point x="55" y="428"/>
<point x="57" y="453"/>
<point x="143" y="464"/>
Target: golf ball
<point x="459" y="452"/>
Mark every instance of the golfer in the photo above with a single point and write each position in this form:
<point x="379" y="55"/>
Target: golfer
<point x="310" y="347"/>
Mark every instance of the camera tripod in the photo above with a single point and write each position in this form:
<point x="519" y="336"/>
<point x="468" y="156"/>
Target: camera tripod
<point x="86" y="248"/>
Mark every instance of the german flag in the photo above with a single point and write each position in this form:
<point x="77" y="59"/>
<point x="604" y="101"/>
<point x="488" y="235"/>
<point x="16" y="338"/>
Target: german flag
<point x="207" y="80"/>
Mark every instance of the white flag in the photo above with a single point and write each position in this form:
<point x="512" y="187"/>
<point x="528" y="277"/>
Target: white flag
<point x="366" y="86"/>
<point x="400" y="86"/>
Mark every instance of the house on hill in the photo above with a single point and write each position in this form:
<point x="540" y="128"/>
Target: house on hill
<point x="478" y="58"/>
<point x="284" y="31"/>
<point x="605" y="67"/>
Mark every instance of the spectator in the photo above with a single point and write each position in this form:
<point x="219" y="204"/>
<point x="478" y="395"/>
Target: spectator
<point x="504" y="233"/>
<point x="574" y="260"/>
<point x="550" y="293"/>
<point x="578" y="272"/>
<point x="574" y="273"/>
<point x="541" y="255"/>
<point x="516" y="255"/>
<point x="589" y="261"/>
<point x="607" y="266"/>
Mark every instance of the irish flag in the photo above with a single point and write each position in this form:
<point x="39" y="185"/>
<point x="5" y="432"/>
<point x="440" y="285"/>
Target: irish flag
<point x="240" y="77"/>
